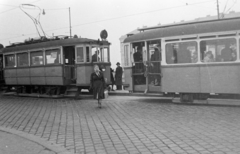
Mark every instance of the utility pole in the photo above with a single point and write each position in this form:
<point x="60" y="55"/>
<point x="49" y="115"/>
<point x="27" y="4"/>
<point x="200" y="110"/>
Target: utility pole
<point x="70" y="22"/>
<point x="218" y="10"/>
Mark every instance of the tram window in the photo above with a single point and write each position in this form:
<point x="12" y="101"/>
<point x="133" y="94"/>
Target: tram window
<point x="53" y="56"/>
<point x="10" y="60"/>
<point x="22" y="59"/>
<point x="87" y="54"/>
<point x="80" y="54"/>
<point x="95" y="54"/>
<point x="36" y="58"/>
<point x="126" y="55"/>
<point x="104" y="55"/>
<point x="218" y="50"/>
<point x="183" y="52"/>
<point x="154" y="50"/>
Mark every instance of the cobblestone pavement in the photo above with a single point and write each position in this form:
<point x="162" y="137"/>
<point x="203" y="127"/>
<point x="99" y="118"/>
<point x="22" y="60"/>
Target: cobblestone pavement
<point x="125" y="125"/>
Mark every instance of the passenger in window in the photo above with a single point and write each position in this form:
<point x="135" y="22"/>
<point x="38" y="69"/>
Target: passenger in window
<point x="95" y="57"/>
<point x="226" y="53"/>
<point x="208" y="57"/>
<point x="56" y="61"/>
<point x="195" y="57"/>
<point x="155" y="65"/>
<point x="171" y="55"/>
<point x="137" y="56"/>
<point x="36" y="61"/>
<point x="234" y="55"/>
<point x="184" y="55"/>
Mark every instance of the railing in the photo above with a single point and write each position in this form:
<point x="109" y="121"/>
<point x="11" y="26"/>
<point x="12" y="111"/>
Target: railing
<point x="154" y="67"/>
<point x="138" y="68"/>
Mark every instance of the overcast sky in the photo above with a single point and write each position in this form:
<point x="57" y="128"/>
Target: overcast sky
<point x="89" y="17"/>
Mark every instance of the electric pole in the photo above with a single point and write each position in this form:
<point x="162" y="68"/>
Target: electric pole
<point x="218" y="10"/>
<point x="70" y="22"/>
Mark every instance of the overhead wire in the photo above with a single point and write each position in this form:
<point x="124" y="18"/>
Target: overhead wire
<point x="109" y="19"/>
<point x="14" y="6"/>
<point x="234" y="3"/>
<point x="133" y="15"/>
<point x="225" y="7"/>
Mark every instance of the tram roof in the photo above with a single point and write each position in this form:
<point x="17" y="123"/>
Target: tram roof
<point x="200" y="27"/>
<point x="53" y="43"/>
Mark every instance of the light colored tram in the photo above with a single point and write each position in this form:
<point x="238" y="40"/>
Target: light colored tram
<point x="193" y="59"/>
<point x="55" y="66"/>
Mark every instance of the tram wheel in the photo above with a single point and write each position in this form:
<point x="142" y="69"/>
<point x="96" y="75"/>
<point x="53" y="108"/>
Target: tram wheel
<point x="186" y="98"/>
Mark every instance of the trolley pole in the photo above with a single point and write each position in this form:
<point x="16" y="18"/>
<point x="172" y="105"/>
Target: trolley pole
<point x="70" y="22"/>
<point x="218" y="10"/>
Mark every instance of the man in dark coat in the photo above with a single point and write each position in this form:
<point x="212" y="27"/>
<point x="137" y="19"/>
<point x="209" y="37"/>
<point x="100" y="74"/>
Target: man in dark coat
<point x="112" y="78"/>
<point x="97" y="83"/>
<point x="118" y="76"/>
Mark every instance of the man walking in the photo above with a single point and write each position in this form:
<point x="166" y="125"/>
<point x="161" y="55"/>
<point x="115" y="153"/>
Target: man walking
<point x="118" y="76"/>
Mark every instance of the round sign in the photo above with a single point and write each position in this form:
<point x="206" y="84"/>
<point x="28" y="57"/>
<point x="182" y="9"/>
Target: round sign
<point x="103" y="34"/>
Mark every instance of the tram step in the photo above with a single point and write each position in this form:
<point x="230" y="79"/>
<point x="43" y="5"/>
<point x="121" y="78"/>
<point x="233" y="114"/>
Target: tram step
<point x="72" y="89"/>
<point x="71" y="92"/>
<point x="72" y="96"/>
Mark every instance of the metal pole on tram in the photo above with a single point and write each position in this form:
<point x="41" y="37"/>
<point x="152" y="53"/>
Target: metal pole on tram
<point x="218" y="10"/>
<point x="70" y="22"/>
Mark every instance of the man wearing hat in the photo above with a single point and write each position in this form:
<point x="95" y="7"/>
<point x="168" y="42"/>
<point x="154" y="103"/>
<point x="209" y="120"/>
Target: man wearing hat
<point x="118" y="76"/>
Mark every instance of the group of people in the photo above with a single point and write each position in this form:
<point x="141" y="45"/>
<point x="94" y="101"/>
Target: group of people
<point x="98" y="85"/>
<point x="227" y="54"/>
<point x="153" y="66"/>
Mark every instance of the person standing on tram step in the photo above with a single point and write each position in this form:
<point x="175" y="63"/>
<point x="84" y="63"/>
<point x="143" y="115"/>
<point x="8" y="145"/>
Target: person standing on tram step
<point x="97" y="83"/>
<point x="112" y="78"/>
<point x="118" y="76"/>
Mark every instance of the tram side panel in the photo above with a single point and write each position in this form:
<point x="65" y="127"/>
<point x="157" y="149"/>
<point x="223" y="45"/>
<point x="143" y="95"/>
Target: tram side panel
<point x="54" y="75"/>
<point x="211" y="78"/>
<point x="23" y="76"/>
<point x="10" y="76"/>
<point x="220" y="78"/>
<point x="83" y="75"/>
<point x="128" y="78"/>
<point x="181" y="79"/>
<point x="51" y="75"/>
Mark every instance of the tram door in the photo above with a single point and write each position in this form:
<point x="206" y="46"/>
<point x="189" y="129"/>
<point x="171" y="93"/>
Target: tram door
<point x="153" y="69"/>
<point x="146" y="68"/>
<point x="138" y="68"/>
<point x="69" y="63"/>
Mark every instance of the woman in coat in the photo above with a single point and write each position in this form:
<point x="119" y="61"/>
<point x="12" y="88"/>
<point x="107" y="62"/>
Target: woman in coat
<point x="97" y="84"/>
<point x="118" y="76"/>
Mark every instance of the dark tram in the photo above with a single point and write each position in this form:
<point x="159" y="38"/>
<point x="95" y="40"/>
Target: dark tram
<point x="60" y="66"/>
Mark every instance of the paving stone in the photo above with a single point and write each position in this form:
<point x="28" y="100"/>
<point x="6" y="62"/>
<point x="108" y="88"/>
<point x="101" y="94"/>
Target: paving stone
<point x="125" y="125"/>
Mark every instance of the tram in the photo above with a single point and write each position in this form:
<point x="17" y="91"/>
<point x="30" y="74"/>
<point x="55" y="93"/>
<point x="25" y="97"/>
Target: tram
<point x="54" y="66"/>
<point x="1" y="67"/>
<point x="193" y="59"/>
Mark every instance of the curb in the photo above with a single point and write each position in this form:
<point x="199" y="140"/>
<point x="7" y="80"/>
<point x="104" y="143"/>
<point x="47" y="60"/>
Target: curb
<point x="47" y="144"/>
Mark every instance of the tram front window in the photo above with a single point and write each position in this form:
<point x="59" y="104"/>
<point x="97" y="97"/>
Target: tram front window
<point x="95" y="54"/>
<point x="100" y="54"/>
<point x="104" y="54"/>
<point x="218" y="50"/>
